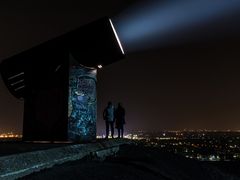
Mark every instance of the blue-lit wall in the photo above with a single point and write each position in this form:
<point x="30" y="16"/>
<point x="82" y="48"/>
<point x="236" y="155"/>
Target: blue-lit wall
<point x="82" y="104"/>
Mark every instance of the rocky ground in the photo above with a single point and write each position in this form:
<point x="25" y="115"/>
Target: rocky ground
<point x="15" y="147"/>
<point x="134" y="162"/>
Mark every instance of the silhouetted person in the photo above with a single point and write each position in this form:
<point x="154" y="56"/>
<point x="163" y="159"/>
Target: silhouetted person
<point x="108" y="116"/>
<point x="120" y="119"/>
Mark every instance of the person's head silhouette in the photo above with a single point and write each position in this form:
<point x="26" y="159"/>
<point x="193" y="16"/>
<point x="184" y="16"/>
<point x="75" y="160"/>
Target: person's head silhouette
<point x="109" y="103"/>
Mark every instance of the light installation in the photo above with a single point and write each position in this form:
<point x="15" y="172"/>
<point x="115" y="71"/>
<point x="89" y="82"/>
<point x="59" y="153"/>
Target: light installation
<point x="57" y="81"/>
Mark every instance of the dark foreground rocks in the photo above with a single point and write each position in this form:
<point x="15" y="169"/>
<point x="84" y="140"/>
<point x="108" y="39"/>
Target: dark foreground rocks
<point x="134" y="162"/>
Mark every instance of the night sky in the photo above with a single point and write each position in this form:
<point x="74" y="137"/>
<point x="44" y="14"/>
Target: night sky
<point x="192" y="82"/>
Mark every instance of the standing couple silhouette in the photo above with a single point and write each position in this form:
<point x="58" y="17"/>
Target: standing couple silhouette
<point x="116" y="116"/>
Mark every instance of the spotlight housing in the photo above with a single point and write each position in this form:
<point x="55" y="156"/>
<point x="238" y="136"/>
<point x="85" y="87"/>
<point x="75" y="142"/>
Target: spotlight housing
<point x="116" y="35"/>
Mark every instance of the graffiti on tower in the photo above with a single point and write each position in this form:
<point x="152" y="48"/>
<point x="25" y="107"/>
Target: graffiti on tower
<point x="82" y="104"/>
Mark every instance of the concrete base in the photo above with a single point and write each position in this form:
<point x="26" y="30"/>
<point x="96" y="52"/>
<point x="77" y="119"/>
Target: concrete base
<point x="19" y="165"/>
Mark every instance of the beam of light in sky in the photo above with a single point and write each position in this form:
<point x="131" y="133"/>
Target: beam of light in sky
<point x="154" y="22"/>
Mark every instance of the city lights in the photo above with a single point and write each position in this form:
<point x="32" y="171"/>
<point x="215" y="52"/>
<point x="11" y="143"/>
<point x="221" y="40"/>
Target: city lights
<point x="202" y="145"/>
<point x="10" y="135"/>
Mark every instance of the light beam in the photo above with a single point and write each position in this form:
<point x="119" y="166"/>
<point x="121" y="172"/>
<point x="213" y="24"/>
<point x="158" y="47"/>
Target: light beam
<point x="157" y="23"/>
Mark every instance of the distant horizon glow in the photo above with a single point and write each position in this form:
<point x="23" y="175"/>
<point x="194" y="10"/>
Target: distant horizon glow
<point x="102" y="132"/>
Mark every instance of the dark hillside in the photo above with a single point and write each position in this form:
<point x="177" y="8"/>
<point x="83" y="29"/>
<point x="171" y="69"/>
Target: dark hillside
<point x="136" y="162"/>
